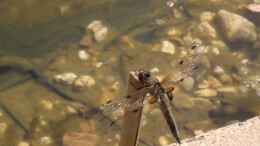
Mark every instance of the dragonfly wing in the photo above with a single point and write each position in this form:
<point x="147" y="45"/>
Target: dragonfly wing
<point x="189" y="64"/>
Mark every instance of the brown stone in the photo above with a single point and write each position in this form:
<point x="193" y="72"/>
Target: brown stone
<point x="86" y="41"/>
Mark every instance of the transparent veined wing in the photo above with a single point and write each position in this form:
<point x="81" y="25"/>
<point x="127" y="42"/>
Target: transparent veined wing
<point x="188" y="65"/>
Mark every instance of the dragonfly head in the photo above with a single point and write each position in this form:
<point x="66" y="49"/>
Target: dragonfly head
<point x="144" y="75"/>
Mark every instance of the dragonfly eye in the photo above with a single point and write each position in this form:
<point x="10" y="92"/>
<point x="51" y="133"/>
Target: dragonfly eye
<point x="144" y="75"/>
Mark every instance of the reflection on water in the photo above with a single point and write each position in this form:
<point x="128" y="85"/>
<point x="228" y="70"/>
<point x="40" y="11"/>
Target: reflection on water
<point x="49" y="54"/>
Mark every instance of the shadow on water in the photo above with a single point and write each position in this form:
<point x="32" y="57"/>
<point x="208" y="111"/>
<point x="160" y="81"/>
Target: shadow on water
<point x="227" y="113"/>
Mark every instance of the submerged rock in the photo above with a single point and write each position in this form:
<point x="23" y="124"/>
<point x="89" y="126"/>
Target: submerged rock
<point x="155" y="70"/>
<point x="71" y="110"/>
<point x="84" y="81"/>
<point x="211" y="83"/>
<point x="99" y="29"/>
<point x="206" y="93"/>
<point x="225" y="78"/>
<point x="236" y="28"/>
<point x="23" y="143"/>
<point x="183" y="101"/>
<point x="168" y="47"/>
<point x="188" y="83"/>
<point x="206" y="30"/>
<point x="46" y="140"/>
<point x="163" y="141"/>
<point x="48" y="105"/>
<point x="203" y="104"/>
<point x="215" y="51"/>
<point x="227" y="89"/>
<point x="83" y="55"/>
<point x="65" y="78"/>
<point x="218" y="70"/>
<point x="99" y="64"/>
<point x="207" y="16"/>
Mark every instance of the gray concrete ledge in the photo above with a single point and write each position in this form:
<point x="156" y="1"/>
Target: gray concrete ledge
<point x="245" y="133"/>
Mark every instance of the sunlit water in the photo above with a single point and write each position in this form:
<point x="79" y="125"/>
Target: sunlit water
<point x="46" y="35"/>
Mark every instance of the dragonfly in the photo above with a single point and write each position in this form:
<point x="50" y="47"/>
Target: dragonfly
<point x="188" y="64"/>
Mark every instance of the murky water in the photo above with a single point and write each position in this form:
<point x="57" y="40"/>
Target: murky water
<point x="39" y="40"/>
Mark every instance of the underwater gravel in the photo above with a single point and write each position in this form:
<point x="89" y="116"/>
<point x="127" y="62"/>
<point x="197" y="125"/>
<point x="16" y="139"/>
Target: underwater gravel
<point x="239" y="134"/>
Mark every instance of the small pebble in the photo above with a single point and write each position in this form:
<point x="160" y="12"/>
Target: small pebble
<point x="170" y="3"/>
<point x="243" y="89"/>
<point x="218" y="44"/>
<point x="218" y="70"/>
<point x="63" y="9"/>
<point x="47" y="104"/>
<point x="101" y="34"/>
<point x="65" y="78"/>
<point x="203" y="85"/>
<point x="46" y="140"/>
<point x="207" y="16"/>
<point x="109" y="140"/>
<point x="43" y="122"/>
<point x="188" y="83"/>
<point x="95" y="25"/>
<point x="227" y="89"/>
<point x="163" y="141"/>
<point x="23" y="143"/>
<point x="173" y="32"/>
<point x="155" y="70"/>
<point x="84" y="81"/>
<point x="245" y="61"/>
<point x="184" y="53"/>
<point x="115" y="86"/>
<point x="117" y="136"/>
<point x="168" y="47"/>
<point x="206" y="30"/>
<point x="160" y="22"/>
<point x="226" y="78"/>
<point x="83" y="55"/>
<point x="71" y="110"/>
<point x="200" y="50"/>
<point x="206" y="93"/>
<point x="99" y="29"/>
<point x="99" y="64"/>
<point x="216" y="51"/>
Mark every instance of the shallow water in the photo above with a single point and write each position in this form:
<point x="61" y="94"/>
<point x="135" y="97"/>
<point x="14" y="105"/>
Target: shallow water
<point x="45" y="36"/>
